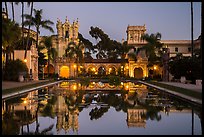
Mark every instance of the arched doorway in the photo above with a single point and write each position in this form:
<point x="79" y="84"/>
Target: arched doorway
<point x="102" y="71"/>
<point x="64" y="72"/>
<point x="138" y="73"/>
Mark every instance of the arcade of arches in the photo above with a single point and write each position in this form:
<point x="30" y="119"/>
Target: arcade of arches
<point x="96" y="67"/>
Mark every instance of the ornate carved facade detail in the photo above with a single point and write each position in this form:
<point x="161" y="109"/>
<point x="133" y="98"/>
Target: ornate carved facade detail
<point x="66" y="33"/>
<point x="136" y="117"/>
<point x="34" y="62"/>
<point x="134" y="34"/>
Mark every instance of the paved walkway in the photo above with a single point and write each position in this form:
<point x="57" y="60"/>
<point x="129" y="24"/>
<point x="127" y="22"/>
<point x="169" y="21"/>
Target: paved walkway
<point x="193" y="87"/>
<point x="11" y="84"/>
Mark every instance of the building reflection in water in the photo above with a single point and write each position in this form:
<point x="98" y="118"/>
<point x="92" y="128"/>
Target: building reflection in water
<point x="20" y="110"/>
<point x="138" y="101"/>
<point x="136" y="117"/>
<point x="66" y="119"/>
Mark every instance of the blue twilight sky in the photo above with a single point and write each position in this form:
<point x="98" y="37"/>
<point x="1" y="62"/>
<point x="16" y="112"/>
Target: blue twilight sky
<point x="171" y="19"/>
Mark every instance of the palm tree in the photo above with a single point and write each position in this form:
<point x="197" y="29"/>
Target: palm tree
<point x="6" y="9"/>
<point x="10" y="34"/>
<point x="152" y="48"/>
<point x="75" y="50"/>
<point x="22" y="15"/>
<point x="47" y="42"/>
<point x="41" y="60"/>
<point x="38" y="22"/>
<point x="192" y="29"/>
<point x="28" y="35"/>
<point x="12" y="10"/>
<point x="43" y="132"/>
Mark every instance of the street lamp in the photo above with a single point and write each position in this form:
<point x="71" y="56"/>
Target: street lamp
<point x="25" y="60"/>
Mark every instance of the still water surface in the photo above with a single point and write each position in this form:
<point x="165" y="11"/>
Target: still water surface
<point x="100" y="109"/>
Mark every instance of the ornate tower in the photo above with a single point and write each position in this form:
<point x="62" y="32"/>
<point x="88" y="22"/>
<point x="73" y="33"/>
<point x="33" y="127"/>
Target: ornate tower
<point x="66" y="33"/>
<point x="134" y="34"/>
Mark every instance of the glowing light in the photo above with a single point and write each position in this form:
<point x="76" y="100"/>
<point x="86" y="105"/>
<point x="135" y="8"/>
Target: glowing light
<point x="74" y="87"/>
<point x="93" y="69"/>
<point x="155" y="67"/>
<point x="25" y="102"/>
<point x="74" y="65"/>
<point x="110" y="69"/>
<point x="126" y="87"/>
<point x="127" y="67"/>
<point x="25" y="60"/>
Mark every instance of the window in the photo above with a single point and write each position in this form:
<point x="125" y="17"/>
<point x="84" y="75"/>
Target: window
<point x="189" y="49"/>
<point x="176" y="49"/>
<point x="66" y="34"/>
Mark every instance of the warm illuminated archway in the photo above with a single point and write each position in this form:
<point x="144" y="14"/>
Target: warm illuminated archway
<point x="112" y="70"/>
<point x="138" y="73"/>
<point x="92" y="70"/>
<point x="102" y="71"/>
<point x="64" y="71"/>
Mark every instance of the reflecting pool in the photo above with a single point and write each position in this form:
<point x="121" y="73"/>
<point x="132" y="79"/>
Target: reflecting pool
<point x="69" y="108"/>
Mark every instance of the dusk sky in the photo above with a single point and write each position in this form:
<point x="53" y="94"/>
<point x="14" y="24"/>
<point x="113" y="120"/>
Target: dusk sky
<point x="171" y="19"/>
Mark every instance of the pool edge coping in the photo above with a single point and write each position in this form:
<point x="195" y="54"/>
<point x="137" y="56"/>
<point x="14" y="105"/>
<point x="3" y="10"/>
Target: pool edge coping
<point x="28" y="89"/>
<point x="189" y="98"/>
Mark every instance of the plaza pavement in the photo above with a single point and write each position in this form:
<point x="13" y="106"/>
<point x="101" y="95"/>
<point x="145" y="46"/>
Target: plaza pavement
<point x="12" y="84"/>
<point x="194" y="88"/>
<point x="197" y="88"/>
<point x="9" y="85"/>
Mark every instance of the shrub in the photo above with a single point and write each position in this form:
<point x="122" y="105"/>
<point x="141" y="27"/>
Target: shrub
<point x="13" y="68"/>
<point x="84" y="81"/>
<point x="114" y="80"/>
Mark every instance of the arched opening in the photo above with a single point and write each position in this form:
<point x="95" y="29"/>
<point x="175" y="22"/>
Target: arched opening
<point x="92" y="71"/>
<point x="112" y="70"/>
<point x="64" y="72"/>
<point x="102" y="71"/>
<point x="138" y="73"/>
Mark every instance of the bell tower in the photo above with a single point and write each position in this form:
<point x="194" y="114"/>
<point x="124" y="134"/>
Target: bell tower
<point x="66" y="33"/>
<point x="134" y="34"/>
